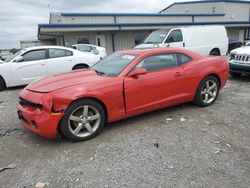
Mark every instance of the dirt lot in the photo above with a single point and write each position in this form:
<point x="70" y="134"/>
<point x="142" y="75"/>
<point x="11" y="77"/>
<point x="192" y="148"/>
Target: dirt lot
<point x="210" y="147"/>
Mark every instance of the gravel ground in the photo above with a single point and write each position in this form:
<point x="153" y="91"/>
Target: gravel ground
<point x="210" y="147"/>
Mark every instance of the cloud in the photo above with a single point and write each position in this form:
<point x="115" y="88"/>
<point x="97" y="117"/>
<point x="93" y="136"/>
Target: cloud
<point x="19" y="18"/>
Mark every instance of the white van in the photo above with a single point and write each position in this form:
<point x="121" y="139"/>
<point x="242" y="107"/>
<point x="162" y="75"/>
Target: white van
<point x="207" y="40"/>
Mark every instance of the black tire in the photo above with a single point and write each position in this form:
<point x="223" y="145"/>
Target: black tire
<point x="80" y="67"/>
<point x="66" y="124"/>
<point x="235" y="74"/>
<point x="2" y="84"/>
<point x="199" y="97"/>
<point x="214" y="53"/>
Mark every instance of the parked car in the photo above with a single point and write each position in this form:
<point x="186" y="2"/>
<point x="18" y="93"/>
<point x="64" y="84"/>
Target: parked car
<point x="34" y="63"/>
<point x="207" y="40"/>
<point x="77" y="104"/>
<point x="97" y="50"/>
<point x="239" y="61"/>
<point x="233" y="44"/>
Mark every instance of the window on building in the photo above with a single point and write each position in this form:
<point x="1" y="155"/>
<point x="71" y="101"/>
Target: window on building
<point x="159" y="62"/>
<point x="83" y="40"/>
<point x="174" y="36"/>
<point x="55" y="53"/>
<point x="247" y="34"/>
<point x="139" y="39"/>
<point x="34" y="55"/>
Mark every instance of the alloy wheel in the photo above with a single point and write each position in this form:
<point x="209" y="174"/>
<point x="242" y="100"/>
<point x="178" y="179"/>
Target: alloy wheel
<point x="209" y="91"/>
<point x="84" y="121"/>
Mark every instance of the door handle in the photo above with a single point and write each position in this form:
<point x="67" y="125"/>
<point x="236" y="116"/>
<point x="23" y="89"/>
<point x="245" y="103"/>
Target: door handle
<point x="178" y="74"/>
<point x="42" y="64"/>
<point x="70" y="60"/>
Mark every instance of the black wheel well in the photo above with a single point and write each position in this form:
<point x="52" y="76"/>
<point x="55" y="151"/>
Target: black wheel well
<point x="80" y="64"/>
<point x="3" y="81"/>
<point x="215" y="50"/>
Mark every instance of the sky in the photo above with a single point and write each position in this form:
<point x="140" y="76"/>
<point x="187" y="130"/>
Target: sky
<point x="19" y="19"/>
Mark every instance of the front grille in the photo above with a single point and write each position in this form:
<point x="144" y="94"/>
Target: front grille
<point x="240" y="59"/>
<point x="26" y="103"/>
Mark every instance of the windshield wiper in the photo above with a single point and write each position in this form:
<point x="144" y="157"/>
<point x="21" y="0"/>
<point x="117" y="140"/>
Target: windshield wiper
<point x="99" y="72"/>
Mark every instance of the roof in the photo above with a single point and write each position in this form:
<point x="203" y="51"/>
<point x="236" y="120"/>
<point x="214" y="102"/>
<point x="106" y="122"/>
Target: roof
<point x="43" y="47"/>
<point x="205" y="1"/>
<point x="131" y="14"/>
<point x="159" y="50"/>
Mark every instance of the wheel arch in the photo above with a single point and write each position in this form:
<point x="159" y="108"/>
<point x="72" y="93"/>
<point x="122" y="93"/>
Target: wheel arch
<point x="80" y="64"/>
<point x="211" y="74"/>
<point x="216" y="49"/>
<point x="82" y="98"/>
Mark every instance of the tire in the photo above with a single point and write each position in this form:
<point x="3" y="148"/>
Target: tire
<point x="204" y="96"/>
<point x="76" y="124"/>
<point x="2" y="84"/>
<point x="235" y="74"/>
<point x="80" y="67"/>
<point x="215" y="53"/>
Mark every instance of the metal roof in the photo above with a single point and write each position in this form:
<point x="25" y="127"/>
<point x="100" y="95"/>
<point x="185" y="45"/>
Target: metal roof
<point x="205" y="1"/>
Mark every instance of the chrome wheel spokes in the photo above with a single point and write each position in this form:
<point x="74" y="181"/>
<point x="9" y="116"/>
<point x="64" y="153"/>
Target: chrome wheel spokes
<point x="84" y="121"/>
<point x="209" y="91"/>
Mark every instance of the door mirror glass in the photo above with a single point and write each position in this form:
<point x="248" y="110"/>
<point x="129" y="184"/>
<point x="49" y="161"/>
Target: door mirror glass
<point x="138" y="71"/>
<point x="19" y="59"/>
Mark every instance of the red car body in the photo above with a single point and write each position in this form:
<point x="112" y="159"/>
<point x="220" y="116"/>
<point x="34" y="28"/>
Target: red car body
<point x="122" y="96"/>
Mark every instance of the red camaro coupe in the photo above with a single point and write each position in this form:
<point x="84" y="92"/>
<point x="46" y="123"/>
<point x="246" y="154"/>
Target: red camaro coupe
<point x="78" y="104"/>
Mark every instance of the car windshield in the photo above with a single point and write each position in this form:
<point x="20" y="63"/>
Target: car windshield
<point x="156" y="37"/>
<point x="113" y="65"/>
<point x="12" y="57"/>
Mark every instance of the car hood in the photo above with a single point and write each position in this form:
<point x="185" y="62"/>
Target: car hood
<point x="64" y="80"/>
<point x="144" y="45"/>
<point x="243" y="50"/>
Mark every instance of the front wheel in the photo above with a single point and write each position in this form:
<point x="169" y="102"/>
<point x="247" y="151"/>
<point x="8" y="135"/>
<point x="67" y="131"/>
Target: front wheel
<point x="207" y="92"/>
<point x="83" y="120"/>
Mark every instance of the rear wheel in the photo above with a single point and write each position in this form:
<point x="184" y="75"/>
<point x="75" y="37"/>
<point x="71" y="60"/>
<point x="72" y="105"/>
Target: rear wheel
<point x="83" y="120"/>
<point x="2" y="84"/>
<point x="207" y="91"/>
<point x="80" y="67"/>
<point x="235" y="74"/>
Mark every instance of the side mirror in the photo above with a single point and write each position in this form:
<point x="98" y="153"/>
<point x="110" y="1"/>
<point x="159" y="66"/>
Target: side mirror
<point x="138" y="71"/>
<point x="19" y="59"/>
<point x="96" y="52"/>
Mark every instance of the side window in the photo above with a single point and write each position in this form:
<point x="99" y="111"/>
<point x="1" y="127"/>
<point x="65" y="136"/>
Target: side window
<point x="55" y="53"/>
<point x="83" y="40"/>
<point x="182" y="58"/>
<point x="84" y="48"/>
<point x="174" y="36"/>
<point x="34" y="55"/>
<point x="159" y="62"/>
<point x="69" y="53"/>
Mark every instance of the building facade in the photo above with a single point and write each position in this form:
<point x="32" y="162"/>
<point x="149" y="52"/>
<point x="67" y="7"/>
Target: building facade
<point x="122" y="31"/>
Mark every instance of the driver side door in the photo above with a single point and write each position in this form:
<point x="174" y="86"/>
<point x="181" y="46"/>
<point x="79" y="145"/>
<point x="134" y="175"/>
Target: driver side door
<point x="32" y="67"/>
<point x="174" y="39"/>
<point x="160" y="87"/>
